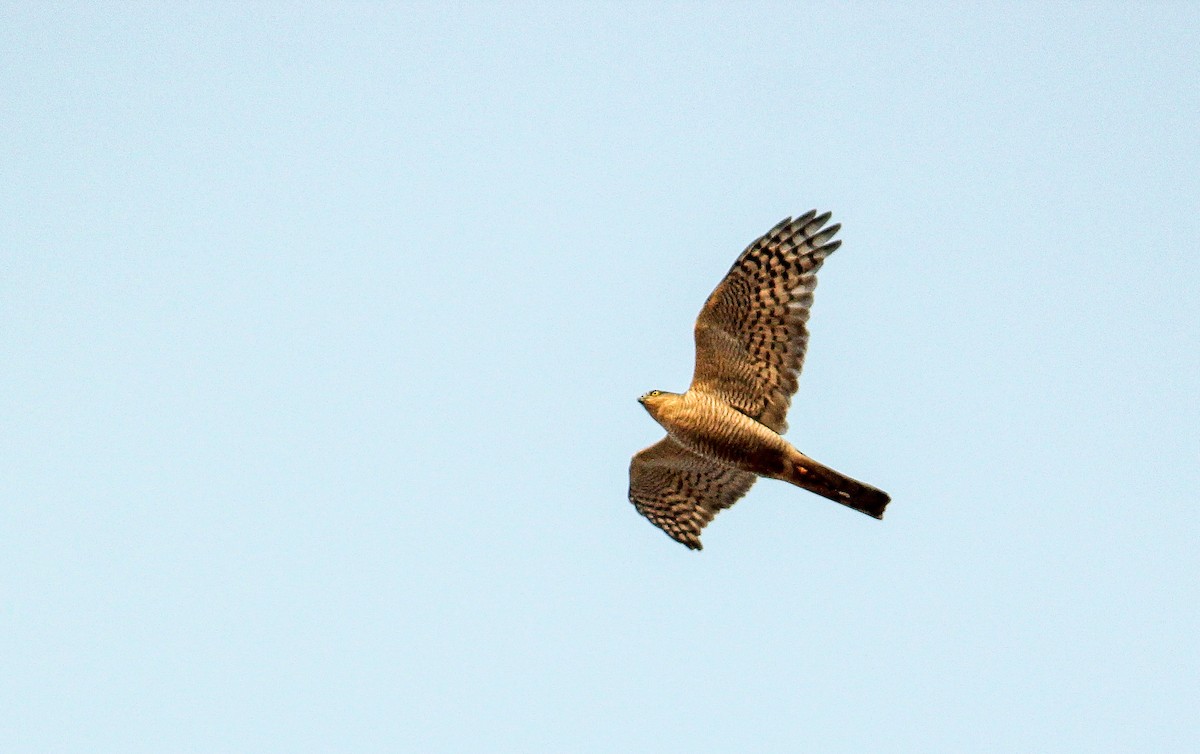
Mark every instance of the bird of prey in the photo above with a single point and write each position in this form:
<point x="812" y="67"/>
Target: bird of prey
<point x="724" y="432"/>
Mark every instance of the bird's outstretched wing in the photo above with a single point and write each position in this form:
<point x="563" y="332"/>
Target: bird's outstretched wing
<point x="751" y="333"/>
<point x="680" y="492"/>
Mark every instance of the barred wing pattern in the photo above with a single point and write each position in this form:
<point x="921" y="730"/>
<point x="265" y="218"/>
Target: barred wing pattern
<point x="751" y="333"/>
<point x="681" y="492"/>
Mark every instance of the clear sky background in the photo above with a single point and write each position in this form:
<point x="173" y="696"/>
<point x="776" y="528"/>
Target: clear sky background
<point x="322" y="328"/>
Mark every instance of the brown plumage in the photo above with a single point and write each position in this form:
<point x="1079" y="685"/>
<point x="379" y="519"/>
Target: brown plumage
<point x="724" y="432"/>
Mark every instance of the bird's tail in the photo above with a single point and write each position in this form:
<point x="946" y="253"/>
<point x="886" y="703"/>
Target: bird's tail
<point x="838" y="487"/>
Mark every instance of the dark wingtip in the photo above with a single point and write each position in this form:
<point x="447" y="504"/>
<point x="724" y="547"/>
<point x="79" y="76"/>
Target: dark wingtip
<point x="806" y="217"/>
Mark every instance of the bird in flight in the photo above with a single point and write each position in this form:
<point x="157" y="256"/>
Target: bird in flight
<point x="725" y="431"/>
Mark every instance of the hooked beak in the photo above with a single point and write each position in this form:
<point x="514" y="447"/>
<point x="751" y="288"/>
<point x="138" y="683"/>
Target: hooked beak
<point x="642" y="399"/>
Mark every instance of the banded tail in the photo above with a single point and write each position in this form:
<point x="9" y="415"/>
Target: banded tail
<point x="838" y="487"/>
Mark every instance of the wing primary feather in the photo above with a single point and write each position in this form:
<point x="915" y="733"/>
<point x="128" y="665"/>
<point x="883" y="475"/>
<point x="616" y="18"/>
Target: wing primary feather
<point x="819" y="239"/>
<point x="802" y="219"/>
<point x="816" y="224"/>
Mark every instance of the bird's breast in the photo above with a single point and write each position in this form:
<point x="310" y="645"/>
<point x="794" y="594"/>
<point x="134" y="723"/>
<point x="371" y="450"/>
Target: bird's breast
<point x="715" y="430"/>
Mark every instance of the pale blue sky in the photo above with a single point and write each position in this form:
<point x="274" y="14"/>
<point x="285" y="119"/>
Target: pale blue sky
<point x="322" y="330"/>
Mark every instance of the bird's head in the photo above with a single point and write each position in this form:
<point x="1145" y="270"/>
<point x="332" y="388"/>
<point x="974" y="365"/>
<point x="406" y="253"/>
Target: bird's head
<point x="652" y="400"/>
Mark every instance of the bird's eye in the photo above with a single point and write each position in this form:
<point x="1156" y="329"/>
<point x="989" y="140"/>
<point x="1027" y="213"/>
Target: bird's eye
<point x="655" y="392"/>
